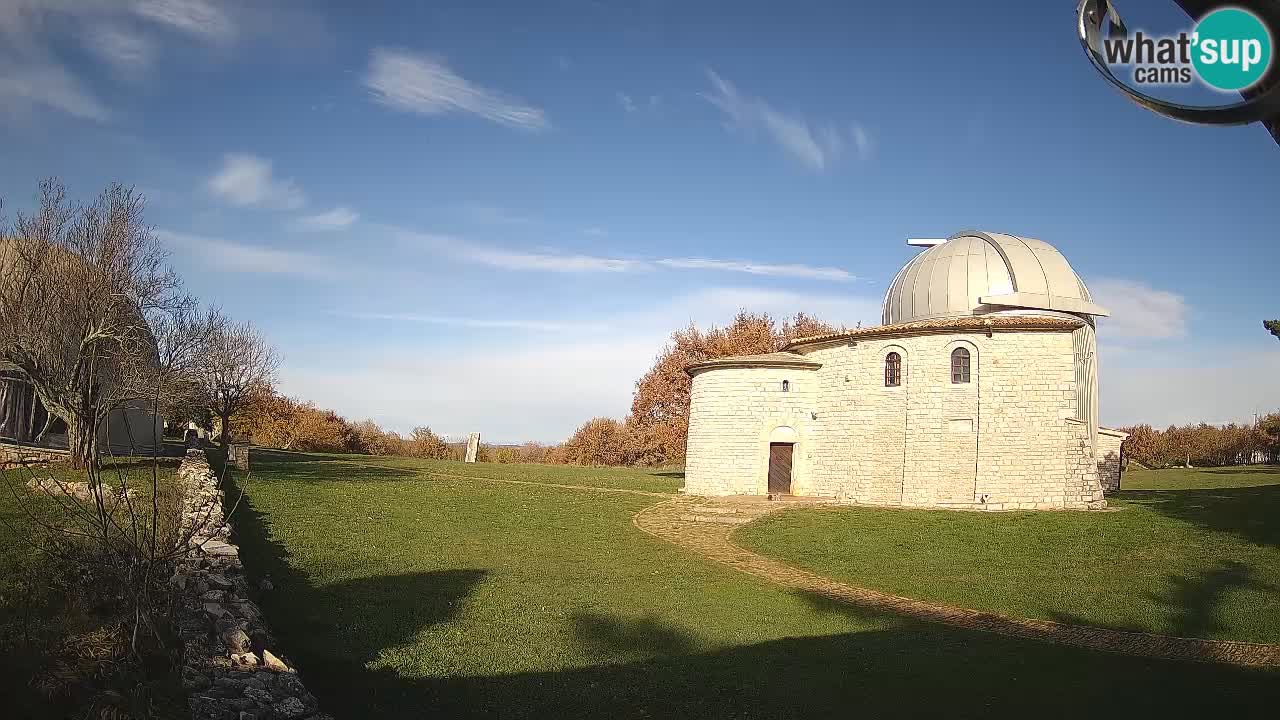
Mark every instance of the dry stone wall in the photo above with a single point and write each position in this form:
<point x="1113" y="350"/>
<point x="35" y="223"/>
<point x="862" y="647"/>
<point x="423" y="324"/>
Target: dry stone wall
<point x="232" y="666"/>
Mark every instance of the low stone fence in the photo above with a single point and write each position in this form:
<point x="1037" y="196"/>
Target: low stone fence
<point x="13" y="454"/>
<point x="232" y="666"/>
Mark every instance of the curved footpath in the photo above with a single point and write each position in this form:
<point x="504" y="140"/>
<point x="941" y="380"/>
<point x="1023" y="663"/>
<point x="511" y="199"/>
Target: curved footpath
<point x="704" y="525"/>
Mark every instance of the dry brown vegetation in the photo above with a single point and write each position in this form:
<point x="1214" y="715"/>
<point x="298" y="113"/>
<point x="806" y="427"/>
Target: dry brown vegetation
<point x="1205" y="445"/>
<point x="655" y="431"/>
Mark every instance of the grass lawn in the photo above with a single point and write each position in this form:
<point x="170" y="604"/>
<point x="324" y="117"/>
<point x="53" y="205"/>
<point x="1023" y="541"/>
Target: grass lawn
<point x="403" y="594"/>
<point x="325" y="467"/>
<point x="1189" y="552"/>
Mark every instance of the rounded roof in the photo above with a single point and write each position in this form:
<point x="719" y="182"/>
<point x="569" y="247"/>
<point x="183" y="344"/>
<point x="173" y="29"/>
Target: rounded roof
<point x="977" y="273"/>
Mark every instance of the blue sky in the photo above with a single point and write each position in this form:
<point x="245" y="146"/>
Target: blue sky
<point x="489" y="216"/>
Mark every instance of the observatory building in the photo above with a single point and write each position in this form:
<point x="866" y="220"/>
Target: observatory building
<point x="978" y="391"/>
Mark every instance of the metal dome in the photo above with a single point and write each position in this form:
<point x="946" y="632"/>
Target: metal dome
<point x="977" y="273"/>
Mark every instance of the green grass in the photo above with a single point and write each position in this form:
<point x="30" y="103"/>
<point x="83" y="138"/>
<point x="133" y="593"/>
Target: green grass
<point x="1189" y="552"/>
<point x="402" y="594"/>
<point x="327" y="466"/>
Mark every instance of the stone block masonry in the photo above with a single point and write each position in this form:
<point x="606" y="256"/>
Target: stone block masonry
<point x="232" y="666"/>
<point x="1008" y="438"/>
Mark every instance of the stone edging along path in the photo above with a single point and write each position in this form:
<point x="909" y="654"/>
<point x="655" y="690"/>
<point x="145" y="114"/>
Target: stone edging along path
<point x="704" y="525"/>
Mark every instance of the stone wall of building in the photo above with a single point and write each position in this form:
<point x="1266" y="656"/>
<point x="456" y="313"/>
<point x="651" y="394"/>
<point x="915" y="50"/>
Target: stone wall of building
<point x="733" y="414"/>
<point x="232" y="666"/>
<point x="1005" y="440"/>
<point x="1109" y="458"/>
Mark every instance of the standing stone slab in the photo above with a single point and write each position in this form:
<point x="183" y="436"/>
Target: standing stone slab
<point x="473" y="447"/>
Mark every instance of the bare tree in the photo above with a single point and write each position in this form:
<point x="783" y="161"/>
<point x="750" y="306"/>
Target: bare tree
<point x="76" y="286"/>
<point x="238" y="367"/>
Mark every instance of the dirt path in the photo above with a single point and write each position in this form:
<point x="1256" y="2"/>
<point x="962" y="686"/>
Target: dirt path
<point x="706" y="525"/>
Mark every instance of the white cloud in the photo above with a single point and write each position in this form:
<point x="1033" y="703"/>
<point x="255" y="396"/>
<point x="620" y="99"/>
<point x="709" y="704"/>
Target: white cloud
<point x="420" y="84"/>
<point x="336" y="219"/>
<point x="785" y="270"/>
<point x="861" y="140"/>
<point x="513" y="259"/>
<point x="625" y="101"/>
<point x="194" y="17"/>
<point x="506" y="259"/>
<point x="127" y="51"/>
<point x="35" y="33"/>
<point x="246" y="180"/>
<point x="475" y="323"/>
<point x="815" y="147"/>
<point x="1138" y="311"/>
<point x="230" y="256"/>
<point x="47" y="85"/>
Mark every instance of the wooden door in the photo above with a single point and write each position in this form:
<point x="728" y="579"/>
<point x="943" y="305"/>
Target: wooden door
<point x="780" y="468"/>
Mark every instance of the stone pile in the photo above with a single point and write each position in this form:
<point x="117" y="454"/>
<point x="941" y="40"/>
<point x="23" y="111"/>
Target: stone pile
<point x="230" y="671"/>
<point x="73" y="488"/>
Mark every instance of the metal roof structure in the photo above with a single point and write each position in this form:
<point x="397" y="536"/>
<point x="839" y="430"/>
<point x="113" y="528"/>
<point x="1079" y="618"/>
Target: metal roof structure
<point x="979" y="273"/>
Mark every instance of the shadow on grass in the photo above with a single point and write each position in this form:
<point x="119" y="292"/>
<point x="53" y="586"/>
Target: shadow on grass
<point x="678" y="474"/>
<point x="907" y="671"/>
<point x="896" y="669"/>
<point x="1193" y="601"/>
<point x="1242" y="470"/>
<point x="1249" y="512"/>
<point x="1190" y="603"/>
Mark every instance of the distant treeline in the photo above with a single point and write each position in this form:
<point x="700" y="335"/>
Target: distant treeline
<point x="1206" y="445"/>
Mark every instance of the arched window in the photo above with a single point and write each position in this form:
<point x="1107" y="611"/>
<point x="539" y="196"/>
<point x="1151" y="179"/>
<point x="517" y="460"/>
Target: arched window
<point x="960" y="365"/>
<point x="892" y="370"/>
<point x="786" y="386"/>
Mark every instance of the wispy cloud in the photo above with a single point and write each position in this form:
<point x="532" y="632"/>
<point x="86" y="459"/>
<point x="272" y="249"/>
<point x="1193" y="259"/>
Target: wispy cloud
<point x="125" y="49"/>
<point x="784" y="270"/>
<point x="1139" y="311"/>
<point x="631" y="104"/>
<point x="421" y="84"/>
<point x="246" y="180"/>
<point x="535" y="386"/>
<point x="475" y="323"/>
<point x="194" y="17"/>
<point x="336" y="219"/>
<point x="817" y="147"/>
<point x="507" y="259"/>
<point x="231" y="256"/>
<point x="516" y="259"/>
<point x="34" y="34"/>
<point x="47" y="85"/>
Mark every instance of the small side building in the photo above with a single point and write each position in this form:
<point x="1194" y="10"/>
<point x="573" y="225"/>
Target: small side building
<point x="978" y="391"/>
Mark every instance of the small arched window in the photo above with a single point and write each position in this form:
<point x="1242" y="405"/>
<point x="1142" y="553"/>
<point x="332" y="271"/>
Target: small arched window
<point x="892" y="370"/>
<point x="786" y="386"/>
<point x="960" y="365"/>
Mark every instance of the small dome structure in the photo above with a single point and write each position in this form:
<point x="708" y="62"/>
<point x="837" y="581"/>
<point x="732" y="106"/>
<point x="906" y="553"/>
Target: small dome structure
<point x="978" y="273"/>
